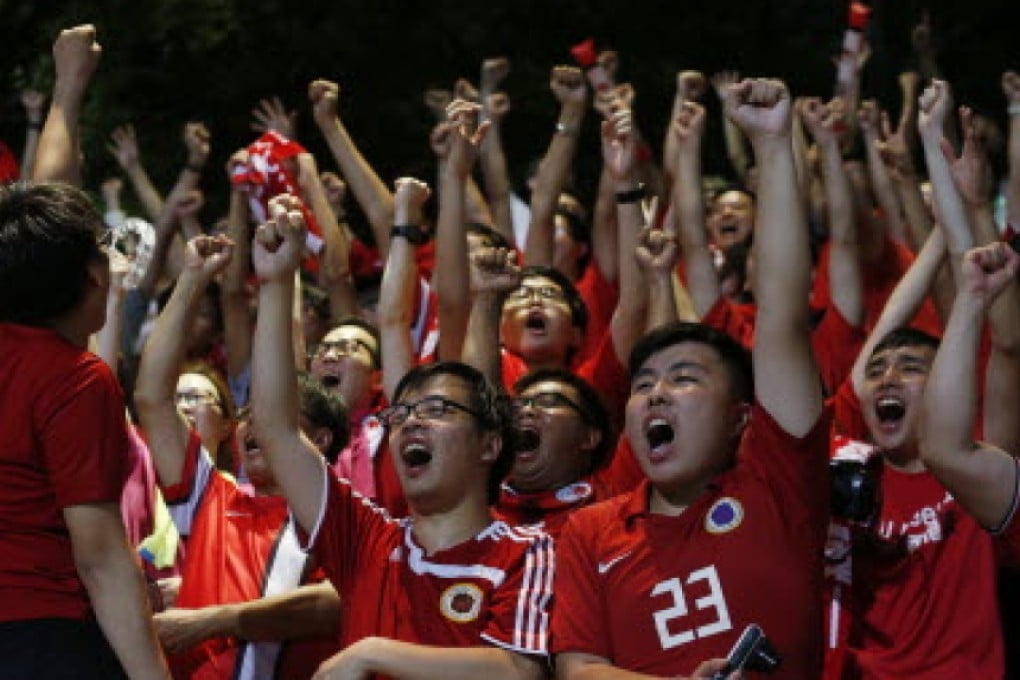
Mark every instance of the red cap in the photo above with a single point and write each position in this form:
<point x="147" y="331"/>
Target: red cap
<point x="584" y="53"/>
<point x="859" y="13"/>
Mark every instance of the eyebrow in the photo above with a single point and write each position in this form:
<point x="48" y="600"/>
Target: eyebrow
<point x="682" y="365"/>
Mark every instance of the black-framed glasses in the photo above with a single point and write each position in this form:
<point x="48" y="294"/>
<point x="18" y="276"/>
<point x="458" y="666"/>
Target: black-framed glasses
<point x="545" y="401"/>
<point x="343" y="347"/>
<point x="554" y="293"/>
<point x="429" y="408"/>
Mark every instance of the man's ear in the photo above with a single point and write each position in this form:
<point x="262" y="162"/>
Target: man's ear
<point x="592" y="439"/>
<point x="741" y="418"/>
<point x="98" y="272"/>
<point x="492" y="445"/>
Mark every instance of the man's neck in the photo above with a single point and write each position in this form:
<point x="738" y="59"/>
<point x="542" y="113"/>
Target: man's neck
<point x="906" y="460"/>
<point x="437" y="531"/>
<point x="673" y="502"/>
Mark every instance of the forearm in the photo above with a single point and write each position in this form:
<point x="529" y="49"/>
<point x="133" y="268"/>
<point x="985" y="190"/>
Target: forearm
<point x="549" y="182"/>
<point x="919" y="224"/>
<point x="951" y="207"/>
<point x="311" y="610"/>
<point x="630" y="315"/>
<point x="237" y="321"/>
<point x="845" y="276"/>
<point x="885" y="194"/>
<point x="31" y="147"/>
<point x="408" y="661"/>
<point x="481" y="344"/>
<point x="334" y="259"/>
<point x="165" y="348"/>
<point x="736" y="151"/>
<point x="475" y="206"/>
<point x="497" y="180"/>
<point x="57" y="157"/>
<point x="108" y="337"/>
<point x="118" y="597"/>
<point x="451" y="278"/>
<point x="604" y="241"/>
<point x="699" y="268"/>
<point x="950" y="393"/>
<point x="662" y="305"/>
<point x="1013" y="181"/>
<point x="147" y="193"/>
<point x="395" y="308"/>
<point x="368" y="189"/>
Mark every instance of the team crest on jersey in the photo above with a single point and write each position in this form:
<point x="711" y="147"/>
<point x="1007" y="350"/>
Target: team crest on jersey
<point x="724" y="516"/>
<point x="461" y="602"/>
<point x="573" y="492"/>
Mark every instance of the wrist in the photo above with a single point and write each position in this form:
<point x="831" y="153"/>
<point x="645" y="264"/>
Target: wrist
<point x="1014" y="108"/>
<point x="629" y="192"/>
<point x="571" y="114"/>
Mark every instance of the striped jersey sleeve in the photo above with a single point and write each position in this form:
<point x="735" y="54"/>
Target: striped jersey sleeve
<point x="184" y="498"/>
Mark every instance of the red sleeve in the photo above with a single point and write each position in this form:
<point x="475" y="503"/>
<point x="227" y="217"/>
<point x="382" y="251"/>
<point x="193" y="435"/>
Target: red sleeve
<point x="347" y="523"/>
<point x="795" y="468"/>
<point x="84" y="436"/>
<point x="513" y="369"/>
<point x="725" y="316"/>
<point x="608" y="376"/>
<point x="579" y="611"/>
<point x="836" y="345"/>
<point x="519" y="610"/>
<point x="184" y="498"/>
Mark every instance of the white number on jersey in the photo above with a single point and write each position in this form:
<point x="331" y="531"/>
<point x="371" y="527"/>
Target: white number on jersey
<point x="715" y="599"/>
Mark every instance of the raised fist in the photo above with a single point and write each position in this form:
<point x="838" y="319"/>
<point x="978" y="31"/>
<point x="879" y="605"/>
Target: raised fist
<point x="567" y="85"/>
<point x="196" y="140"/>
<point x="34" y="103"/>
<point x="325" y="98"/>
<point x="75" y="56"/>
<point x="496" y="105"/>
<point x="279" y="244"/>
<point x="656" y="250"/>
<point x="463" y="89"/>
<point x="760" y="107"/>
<point x="465" y="135"/>
<point x="409" y="196"/>
<point x="335" y="188"/>
<point x="619" y="147"/>
<point x="819" y="120"/>
<point x="494" y="270"/>
<point x="689" y="123"/>
<point x="1011" y="86"/>
<point x="493" y="72"/>
<point x="935" y="103"/>
<point x="988" y="270"/>
<point x="691" y="83"/>
<point x="208" y="255"/>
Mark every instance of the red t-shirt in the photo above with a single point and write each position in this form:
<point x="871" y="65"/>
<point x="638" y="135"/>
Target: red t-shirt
<point x="880" y="278"/>
<point x="834" y="341"/>
<point x="600" y="297"/>
<point x="240" y="548"/>
<point x="492" y="589"/>
<point x="658" y="595"/>
<point x="63" y="442"/>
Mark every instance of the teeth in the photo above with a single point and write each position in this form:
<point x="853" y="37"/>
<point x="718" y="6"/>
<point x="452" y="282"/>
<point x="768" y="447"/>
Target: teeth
<point x="415" y="448"/>
<point x="889" y="401"/>
<point x="656" y="422"/>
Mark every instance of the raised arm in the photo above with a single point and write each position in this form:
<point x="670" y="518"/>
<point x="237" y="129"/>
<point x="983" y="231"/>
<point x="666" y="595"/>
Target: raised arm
<point x="1011" y="88"/>
<point x="296" y="464"/>
<point x="688" y="199"/>
<point x="736" y="150"/>
<point x="494" y="273"/>
<point x="894" y="150"/>
<point x="108" y="337"/>
<point x="846" y="279"/>
<point x="396" y="295"/>
<point x="656" y="255"/>
<point x="492" y="157"/>
<point x="619" y="154"/>
<point x="450" y="279"/>
<point x="906" y="298"/>
<point x="368" y="189"/>
<point x="164" y="353"/>
<point x="604" y="239"/>
<point x="75" y="56"/>
<point x="982" y="477"/>
<point x="567" y="84"/>
<point x="784" y="367"/>
<point x="234" y="298"/>
<point x="881" y="182"/>
<point x="123" y="147"/>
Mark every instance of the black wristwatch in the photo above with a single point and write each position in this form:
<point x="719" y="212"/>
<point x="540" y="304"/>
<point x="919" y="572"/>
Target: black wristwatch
<point x="413" y="234"/>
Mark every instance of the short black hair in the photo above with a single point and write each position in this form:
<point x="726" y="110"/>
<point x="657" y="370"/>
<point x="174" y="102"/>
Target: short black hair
<point x="48" y="236"/>
<point x="735" y="357"/>
<point x="905" y="336"/>
<point x="324" y="408"/>
<point x="490" y="405"/>
<point x="368" y="328"/>
<point x="578" y="310"/>
<point x="593" y="409"/>
<point x="490" y="237"/>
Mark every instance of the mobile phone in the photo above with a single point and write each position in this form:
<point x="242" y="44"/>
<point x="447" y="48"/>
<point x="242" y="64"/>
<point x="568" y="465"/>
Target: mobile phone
<point x="742" y="651"/>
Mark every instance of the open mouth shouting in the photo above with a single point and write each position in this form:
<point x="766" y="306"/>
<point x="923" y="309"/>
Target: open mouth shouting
<point x="527" y="440"/>
<point x="890" y="411"/>
<point x="331" y="381"/>
<point x="416" y="457"/>
<point x="659" y="434"/>
<point x="536" y="322"/>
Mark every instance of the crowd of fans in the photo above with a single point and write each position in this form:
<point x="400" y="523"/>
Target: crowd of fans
<point x="517" y="439"/>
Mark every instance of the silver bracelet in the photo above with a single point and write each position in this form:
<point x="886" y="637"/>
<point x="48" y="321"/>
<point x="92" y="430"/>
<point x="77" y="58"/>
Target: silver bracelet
<point x="1013" y="109"/>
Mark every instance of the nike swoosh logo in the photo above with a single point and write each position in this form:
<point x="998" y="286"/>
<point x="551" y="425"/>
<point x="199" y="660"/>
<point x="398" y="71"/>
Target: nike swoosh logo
<point x="603" y="567"/>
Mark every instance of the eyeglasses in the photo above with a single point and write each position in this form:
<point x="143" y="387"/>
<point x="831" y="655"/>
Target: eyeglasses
<point x="542" y="292"/>
<point x="343" y="347"/>
<point x="195" y="398"/>
<point x="429" y="408"/>
<point x="545" y="401"/>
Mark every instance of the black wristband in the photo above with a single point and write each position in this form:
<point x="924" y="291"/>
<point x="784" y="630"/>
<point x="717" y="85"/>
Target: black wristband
<point x="34" y="125"/>
<point x="412" y="233"/>
<point x="632" y="196"/>
<point x="194" y="168"/>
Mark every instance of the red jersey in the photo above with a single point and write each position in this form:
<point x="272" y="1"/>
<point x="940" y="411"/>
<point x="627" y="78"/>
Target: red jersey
<point x="880" y="278"/>
<point x="241" y="547"/>
<point x="910" y="575"/>
<point x="600" y="298"/>
<point x="63" y="442"/>
<point x="834" y="341"/>
<point x="492" y="589"/>
<point x="658" y="595"/>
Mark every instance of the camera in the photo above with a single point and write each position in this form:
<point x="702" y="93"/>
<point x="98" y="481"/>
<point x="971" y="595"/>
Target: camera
<point x="854" y="489"/>
<point x="752" y="652"/>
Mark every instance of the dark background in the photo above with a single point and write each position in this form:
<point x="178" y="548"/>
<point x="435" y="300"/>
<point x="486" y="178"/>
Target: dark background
<point x="168" y="61"/>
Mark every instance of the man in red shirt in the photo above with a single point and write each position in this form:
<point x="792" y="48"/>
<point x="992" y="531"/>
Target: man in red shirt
<point x="241" y="591"/>
<point x="729" y="527"/>
<point x="66" y="565"/>
<point x="446" y="590"/>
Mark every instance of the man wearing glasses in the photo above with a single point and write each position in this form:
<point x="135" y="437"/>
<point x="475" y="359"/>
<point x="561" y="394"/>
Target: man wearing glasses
<point x="561" y="440"/>
<point x="445" y="591"/>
